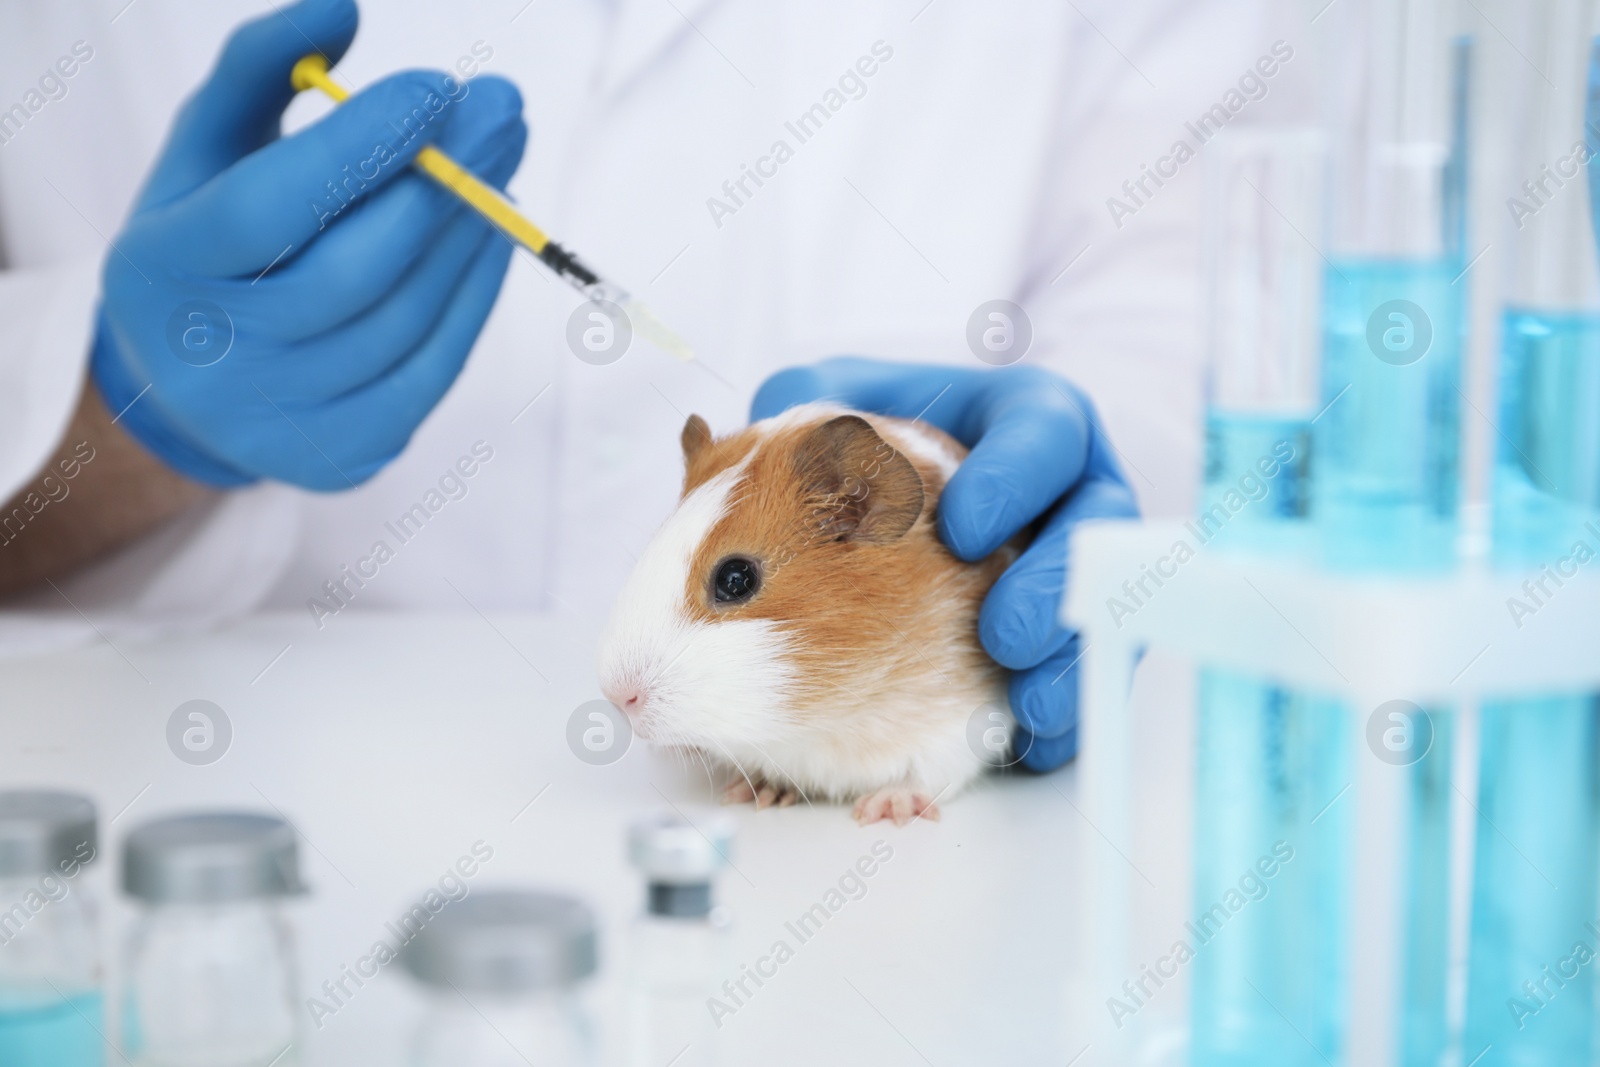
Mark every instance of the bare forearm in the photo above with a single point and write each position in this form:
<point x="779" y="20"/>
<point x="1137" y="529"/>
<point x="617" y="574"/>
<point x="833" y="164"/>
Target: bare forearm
<point x="99" y="491"/>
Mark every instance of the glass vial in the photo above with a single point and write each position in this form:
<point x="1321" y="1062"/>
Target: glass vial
<point x="211" y="965"/>
<point x="679" y="945"/>
<point x="502" y="971"/>
<point x="50" y="973"/>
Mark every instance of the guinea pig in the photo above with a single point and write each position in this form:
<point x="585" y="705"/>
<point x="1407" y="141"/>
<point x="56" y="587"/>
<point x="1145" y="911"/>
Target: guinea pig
<point x="798" y="619"/>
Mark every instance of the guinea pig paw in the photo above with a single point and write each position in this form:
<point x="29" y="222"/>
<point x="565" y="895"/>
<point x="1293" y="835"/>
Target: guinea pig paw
<point x="897" y="803"/>
<point x="764" y="793"/>
<point x="775" y="796"/>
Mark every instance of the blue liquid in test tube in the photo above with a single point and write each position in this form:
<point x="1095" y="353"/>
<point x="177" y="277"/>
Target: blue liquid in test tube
<point x="1386" y="449"/>
<point x="1386" y="500"/>
<point x="1424" y="1012"/>
<point x="1547" y="466"/>
<point x="1272" y="844"/>
<point x="1387" y="442"/>
<point x="1257" y="493"/>
<point x="1530" y="983"/>
<point x="1376" y="491"/>
<point x="1535" y="881"/>
<point x="1269" y="910"/>
<point x="1530" y="1001"/>
<point x="1264" y="189"/>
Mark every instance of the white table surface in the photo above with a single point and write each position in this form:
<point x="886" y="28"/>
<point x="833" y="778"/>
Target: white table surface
<point x="395" y="741"/>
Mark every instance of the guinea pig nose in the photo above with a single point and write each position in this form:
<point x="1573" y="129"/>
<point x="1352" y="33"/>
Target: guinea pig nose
<point x="626" y="696"/>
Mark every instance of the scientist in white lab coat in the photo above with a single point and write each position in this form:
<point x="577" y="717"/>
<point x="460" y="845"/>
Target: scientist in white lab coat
<point x="236" y="343"/>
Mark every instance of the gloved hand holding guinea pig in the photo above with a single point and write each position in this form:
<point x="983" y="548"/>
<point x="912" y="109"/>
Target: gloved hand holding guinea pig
<point x="843" y="584"/>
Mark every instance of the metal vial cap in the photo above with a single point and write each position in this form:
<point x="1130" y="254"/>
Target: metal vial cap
<point x="679" y="901"/>
<point x="210" y="858"/>
<point x="505" y="941"/>
<point x="43" y="831"/>
<point x="668" y="849"/>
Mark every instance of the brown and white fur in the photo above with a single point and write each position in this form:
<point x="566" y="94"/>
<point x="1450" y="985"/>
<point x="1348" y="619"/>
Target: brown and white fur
<point x="854" y="669"/>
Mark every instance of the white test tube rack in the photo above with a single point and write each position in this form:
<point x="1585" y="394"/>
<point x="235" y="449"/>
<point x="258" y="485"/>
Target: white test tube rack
<point x="1434" y="640"/>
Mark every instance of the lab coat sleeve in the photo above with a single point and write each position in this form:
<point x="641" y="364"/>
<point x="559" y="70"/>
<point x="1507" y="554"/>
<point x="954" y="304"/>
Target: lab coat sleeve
<point x="47" y="312"/>
<point x="214" y="563"/>
<point x="1112" y="280"/>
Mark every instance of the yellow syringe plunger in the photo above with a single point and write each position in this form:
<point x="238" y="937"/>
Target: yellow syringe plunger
<point x="311" y="72"/>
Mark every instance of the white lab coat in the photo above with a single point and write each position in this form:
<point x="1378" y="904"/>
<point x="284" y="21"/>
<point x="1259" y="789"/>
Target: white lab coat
<point x="978" y="164"/>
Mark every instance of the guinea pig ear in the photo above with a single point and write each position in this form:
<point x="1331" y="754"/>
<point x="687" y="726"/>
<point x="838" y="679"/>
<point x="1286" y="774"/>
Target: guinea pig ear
<point x="862" y="488"/>
<point x="695" y="438"/>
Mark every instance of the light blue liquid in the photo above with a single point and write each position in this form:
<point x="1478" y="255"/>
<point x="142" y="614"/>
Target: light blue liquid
<point x="1425" y="930"/>
<point x="1256" y="495"/>
<point x="1547" y="466"/>
<point x="43" y="1030"/>
<point x="1387" y="442"/>
<point x="1270" y="968"/>
<point x="1534" y="885"/>
<point x="1271" y="763"/>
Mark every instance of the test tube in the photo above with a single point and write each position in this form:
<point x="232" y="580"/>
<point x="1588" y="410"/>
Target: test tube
<point x="1265" y="211"/>
<point x="1535" y="883"/>
<point x="1267" y="930"/>
<point x="1386" y="491"/>
<point x="1547" y="468"/>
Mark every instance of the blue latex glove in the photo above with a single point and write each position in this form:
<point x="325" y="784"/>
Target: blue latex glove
<point x="338" y="325"/>
<point x="1038" y="452"/>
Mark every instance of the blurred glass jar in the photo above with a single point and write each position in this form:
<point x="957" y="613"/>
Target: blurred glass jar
<point x="679" y="945"/>
<point x="50" y="973"/>
<point x="513" y="959"/>
<point x="211" y="976"/>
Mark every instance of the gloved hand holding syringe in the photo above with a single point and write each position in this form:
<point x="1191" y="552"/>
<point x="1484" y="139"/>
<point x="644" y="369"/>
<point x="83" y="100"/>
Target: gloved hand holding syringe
<point x="241" y="337"/>
<point x="312" y="73"/>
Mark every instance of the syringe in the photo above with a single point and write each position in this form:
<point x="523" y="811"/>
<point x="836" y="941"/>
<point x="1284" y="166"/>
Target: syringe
<point x="311" y="72"/>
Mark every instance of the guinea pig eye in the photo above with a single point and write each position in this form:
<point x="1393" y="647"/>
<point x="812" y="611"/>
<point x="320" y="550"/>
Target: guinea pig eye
<point x="736" y="581"/>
